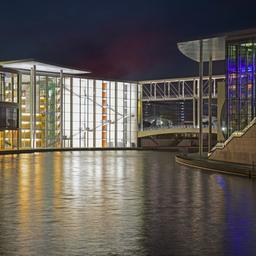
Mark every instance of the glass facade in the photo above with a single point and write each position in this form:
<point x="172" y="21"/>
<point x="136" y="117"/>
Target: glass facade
<point x="104" y="113"/>
<point x="67" y="111"/>
<point x="8" y="93"/>
<point x="168" y="114"/>
<point x="240" y="84"/>
<point x="40" y="111"/>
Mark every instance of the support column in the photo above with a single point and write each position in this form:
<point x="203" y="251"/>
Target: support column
<point x="125" y="118"/>
<point x="109" y="115"/>
<point x="140" y="91"/>
<point x="198" y="106"/>
<point x="47" y="111"/>
<point x="80" y="113"/>
<point x="33" y="107"/>
<point x="104" y="115"/>
<point x="1" y="87"/>
<point x="200" y="110"/>
<point x="130" y="115"/>
<point x="12" y="96"/>
<point x="87" y="114"/>
<point x="94" y="113"/>
<point x="194" y="103"/>
<point x="214" y="88"/>
<point x="3" y="91"/>
<point x="116" y="108"/>
<point x="210" y="105"/>
<point x="61" y="108"/>
<point x="71" y="112"/>
<point x="139" y="116"/>
<point x="19" y="95"/>
<point x="183" y="89"/>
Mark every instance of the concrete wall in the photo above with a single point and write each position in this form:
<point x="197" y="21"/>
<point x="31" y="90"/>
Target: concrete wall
<point x="239" y="149"/>
<point x="220" y="103"/>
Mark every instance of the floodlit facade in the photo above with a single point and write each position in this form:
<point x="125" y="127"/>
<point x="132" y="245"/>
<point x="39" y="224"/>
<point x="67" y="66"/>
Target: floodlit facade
<point x="238" y="117"/>
<point x="241" y="71"/>
<point x="47" y="106"/>
<point x="238" y="50"/>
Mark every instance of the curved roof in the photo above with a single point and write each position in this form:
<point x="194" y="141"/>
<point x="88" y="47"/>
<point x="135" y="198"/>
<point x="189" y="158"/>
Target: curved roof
<point x="211" y="46"/>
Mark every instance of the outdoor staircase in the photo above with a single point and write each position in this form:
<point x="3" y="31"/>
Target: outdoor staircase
<point x="240" y="147"/>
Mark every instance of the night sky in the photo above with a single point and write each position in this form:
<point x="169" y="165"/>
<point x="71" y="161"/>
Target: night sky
<point x="117" y="39"/>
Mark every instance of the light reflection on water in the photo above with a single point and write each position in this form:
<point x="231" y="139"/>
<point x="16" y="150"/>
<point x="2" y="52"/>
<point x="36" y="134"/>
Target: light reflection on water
<point x="121" y="203"/>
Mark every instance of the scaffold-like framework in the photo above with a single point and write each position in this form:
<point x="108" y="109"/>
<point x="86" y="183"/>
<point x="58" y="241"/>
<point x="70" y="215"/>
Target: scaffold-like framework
<point x="178" y="88"/>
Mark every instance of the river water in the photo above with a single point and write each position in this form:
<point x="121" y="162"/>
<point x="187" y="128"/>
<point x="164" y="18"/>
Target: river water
<point x="122" y="203"/>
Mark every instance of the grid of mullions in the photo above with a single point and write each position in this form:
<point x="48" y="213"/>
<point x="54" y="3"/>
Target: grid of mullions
<point x="71" y="112"/>
<point x="8" y="93"/>
<point x="83" y="121"/>
<point x="40" y="112"/>
<point x="240" y="84"/>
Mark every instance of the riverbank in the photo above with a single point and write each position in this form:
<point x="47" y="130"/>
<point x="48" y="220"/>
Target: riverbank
<point x="193" y="160"/>
<point x="40" y="150"/>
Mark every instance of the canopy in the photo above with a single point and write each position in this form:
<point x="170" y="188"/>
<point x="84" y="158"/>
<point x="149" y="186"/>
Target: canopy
<point x="40" y="66"/>
<point x="211" y="46"/>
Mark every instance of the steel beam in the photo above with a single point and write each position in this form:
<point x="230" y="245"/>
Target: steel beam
<point x="178" y="89"/>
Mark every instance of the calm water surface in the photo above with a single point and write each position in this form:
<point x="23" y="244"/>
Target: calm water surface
<point x="122" y="203"/>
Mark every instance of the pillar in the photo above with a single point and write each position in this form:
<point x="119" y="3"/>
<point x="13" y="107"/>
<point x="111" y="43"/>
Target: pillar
<point x="94" y="113"/>
<point x="201" y="71"/>
<point x="33" y="107"/>
<point x="210" y="105"/>
<point x="104" y="115"/>
<point x="116" y="108"/>
<point x="71" y="112"/>
<point x="61" y="108"/>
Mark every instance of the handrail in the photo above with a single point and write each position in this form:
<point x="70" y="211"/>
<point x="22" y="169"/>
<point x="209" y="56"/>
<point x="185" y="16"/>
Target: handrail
<point x="150" y="128"/>
<point x="235" y="134"/>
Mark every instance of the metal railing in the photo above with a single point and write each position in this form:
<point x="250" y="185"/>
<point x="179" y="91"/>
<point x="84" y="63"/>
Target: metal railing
<point x="174" y="127"/>
<point x="235" y="134"/>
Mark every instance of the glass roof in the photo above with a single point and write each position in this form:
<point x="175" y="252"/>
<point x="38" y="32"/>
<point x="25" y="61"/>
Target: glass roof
<point x="40" y="66"/>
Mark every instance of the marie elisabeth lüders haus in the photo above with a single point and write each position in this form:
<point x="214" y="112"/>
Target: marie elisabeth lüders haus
<point x="237" y="102"/>
<point x="45" y="106"/>
<point x="48" y="106"/>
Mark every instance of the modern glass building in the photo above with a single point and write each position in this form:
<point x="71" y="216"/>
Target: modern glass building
<point x="240" y="90"/>
<point x="47" y="106"/>
<point x="238" y="50"/>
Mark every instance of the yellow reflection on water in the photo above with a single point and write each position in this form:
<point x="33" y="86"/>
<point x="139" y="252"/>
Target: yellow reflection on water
<point x="24" y="192"/>
<point x="57" y="169"/>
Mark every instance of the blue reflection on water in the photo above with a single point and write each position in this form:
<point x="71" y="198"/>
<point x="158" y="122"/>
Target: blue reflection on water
<point x="239" y="232"/>
<point x="221" y="181"/>
<point x="122" y="203"/>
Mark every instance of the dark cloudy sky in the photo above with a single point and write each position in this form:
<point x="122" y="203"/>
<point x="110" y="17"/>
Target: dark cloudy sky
<point x="118" y="39"/>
